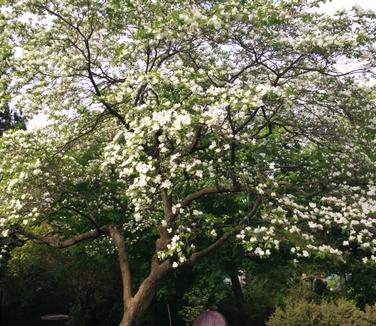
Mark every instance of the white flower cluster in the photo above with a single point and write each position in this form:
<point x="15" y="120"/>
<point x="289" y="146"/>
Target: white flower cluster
<point x="259" y="240"/>
<point x="351" y="210"/>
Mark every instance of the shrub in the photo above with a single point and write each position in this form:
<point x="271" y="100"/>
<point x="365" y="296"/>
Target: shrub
<point x="339" y="313"/>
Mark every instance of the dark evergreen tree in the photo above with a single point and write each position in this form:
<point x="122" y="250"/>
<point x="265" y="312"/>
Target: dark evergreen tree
<point x="10" y="119"/>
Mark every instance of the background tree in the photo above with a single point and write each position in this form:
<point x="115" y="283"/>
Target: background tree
<point x="191" y="123"/>
<point x="8" y="118"/>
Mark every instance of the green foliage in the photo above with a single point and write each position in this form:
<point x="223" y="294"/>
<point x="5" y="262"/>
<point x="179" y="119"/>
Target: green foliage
<point x="198" y="301"/>
<point x="361" y="284"/>
<point x="41" y="280"/>
<point x="328" y="313"/>
<point x="207" y="289"/>
<point x="267" y="284"/>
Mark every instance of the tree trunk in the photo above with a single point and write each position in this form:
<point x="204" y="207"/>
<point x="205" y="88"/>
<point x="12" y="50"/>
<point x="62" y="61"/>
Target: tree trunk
<point x="239" y="298"/>
<point x="140" y="303"/>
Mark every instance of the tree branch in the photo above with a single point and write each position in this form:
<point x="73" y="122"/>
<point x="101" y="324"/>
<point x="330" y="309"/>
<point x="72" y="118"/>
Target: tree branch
<point x="58" y="243"/>
<point x="206" y="251"/>
<point x="119" y="242"/>
<point x="84" y="215"/>
<point x="97" y="91"/>
<point x="210" y="190"/>
<point x="220" y="241"/>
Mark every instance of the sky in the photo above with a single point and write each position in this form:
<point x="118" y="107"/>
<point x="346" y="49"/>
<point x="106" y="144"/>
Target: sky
<point x="334" y="5"/>
<point x="330" y="7"/>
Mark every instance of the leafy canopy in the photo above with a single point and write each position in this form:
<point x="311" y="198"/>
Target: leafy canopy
<point x="194" y="120"/>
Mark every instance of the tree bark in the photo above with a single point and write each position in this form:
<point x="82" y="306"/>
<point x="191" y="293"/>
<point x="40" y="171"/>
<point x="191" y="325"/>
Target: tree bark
<point x="140" y="303"/>
<point x="237" y="289"/>
<point x="118" y="239"/>
<point x="239" y="298"/>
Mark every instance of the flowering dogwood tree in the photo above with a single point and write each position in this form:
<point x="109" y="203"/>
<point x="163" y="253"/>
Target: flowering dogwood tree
<point x="162" y="111"/>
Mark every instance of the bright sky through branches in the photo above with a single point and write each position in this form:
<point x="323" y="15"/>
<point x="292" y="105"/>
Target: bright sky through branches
<point x="347" y="4"/>
<point x="41" y="120"/>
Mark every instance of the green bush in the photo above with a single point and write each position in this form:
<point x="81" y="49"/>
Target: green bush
<point x="370" y="314"/>
<point x="339" y="313"/>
